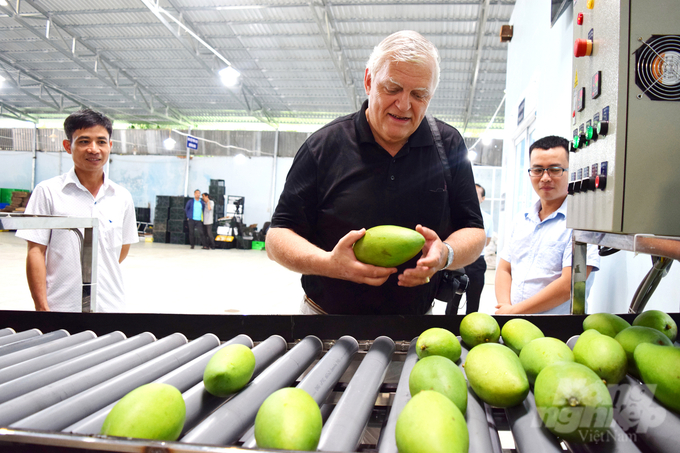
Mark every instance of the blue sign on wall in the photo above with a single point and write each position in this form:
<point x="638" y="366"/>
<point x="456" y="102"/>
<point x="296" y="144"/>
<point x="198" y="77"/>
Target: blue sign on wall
<point x="192" y="142"/>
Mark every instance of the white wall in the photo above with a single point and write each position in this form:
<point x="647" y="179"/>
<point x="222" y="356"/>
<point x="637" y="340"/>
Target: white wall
<point x="539" y="71"/>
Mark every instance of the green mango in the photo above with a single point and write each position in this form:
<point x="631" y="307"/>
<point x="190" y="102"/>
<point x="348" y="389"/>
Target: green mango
<point x="431" y="423"/>
<point x="658" y="320"/>
<point x="631" y="337"/>
<point x="151" y="411"/>
<point x="519" y="332"/>
<point x="541" y="352"/>
<point x="388" y="245"/>
<point x="605" y="323"/>
<point x="660" y="366"/>
<point x="602" y="354"/>
<point x="477" y="328"/>
<point x="438" y="341"/>
<point x="441" y="375"/>
<point x="496" y="375"/>
<point x="229" y="370"/>
<point x="573" y="402"/>
<point x="289" y="419"/>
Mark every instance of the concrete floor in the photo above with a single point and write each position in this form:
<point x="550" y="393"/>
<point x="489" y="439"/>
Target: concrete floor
<point x="156" y="280"/>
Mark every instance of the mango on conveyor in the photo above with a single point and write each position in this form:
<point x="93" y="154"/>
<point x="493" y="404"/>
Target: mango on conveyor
<point x="602" y="354"/>
<point x="496" y="375"/>
<point x="518" y="332"/>
<point x="659" y="320"/>
<point x="289" y="419"/>
<point x="541" y="352"/>
<point x="229" y="370"/>
<point x="633" y="336"/>
<point x="438" y="341"/>
<point x="441" y="375"/>
<point x="152" y="411"/>
<point x="388" y="245"/>
<point x="660" y="366"/>
<point x="431" y="423"/>
<point x="477" y="328"/>
<point x="573" y="402"/>
<point x="605" y="323"/>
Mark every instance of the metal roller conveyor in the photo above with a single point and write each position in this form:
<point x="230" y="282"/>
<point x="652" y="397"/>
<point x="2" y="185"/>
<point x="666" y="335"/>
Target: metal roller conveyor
<point x="528" y="430"/>
<point x="7" y="339"/>
<point x="44" y="361"/>
<point x="387" y="442"/>
<point x="39" y="399"/>
<point x="182" y="378"/>
<point x="6" y="331"/>
<point x="200" y="403"/>
<point x="343" y="429"/>
<point x="37" y="379"/>
<point x="231" y="420"/>
<point x="614" y="440"/>
<point x="319" y="382"/>
<point x="481" y="425"/>
<point x="639" y="414"/>
<point x="36" y="351"/>
<point x="69" y="411"/>
<point x="34" y="341"/>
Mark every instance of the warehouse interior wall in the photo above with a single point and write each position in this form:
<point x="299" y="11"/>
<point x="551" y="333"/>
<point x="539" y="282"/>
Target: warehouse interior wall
<point x="539" y="72"/>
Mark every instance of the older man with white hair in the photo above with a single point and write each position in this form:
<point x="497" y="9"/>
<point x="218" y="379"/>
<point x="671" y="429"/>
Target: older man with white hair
<point x="382" y="165"/>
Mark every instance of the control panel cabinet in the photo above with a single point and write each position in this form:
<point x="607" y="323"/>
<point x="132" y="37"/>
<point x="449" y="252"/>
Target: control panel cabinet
<point x="624" y="164"/>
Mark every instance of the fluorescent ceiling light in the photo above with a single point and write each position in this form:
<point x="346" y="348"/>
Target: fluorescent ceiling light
<point x="240" y="159"/>
<point x="472" y="155"/>
<point x="169" y="143"/>
<point x="3" y="2"/>
<point x="229" y="76"/>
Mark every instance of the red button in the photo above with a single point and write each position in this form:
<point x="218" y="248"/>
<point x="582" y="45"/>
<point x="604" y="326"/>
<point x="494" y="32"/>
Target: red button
<point x="583" y="47"/>
<point x="597" y="181"/>
<point x="579" y="19"/>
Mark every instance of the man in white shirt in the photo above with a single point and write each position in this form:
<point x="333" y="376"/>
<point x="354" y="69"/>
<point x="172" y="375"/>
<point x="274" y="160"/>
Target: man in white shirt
<point x="208" y="219"/>
<point x="53" y="265"/>
<point x="534" y="268"/>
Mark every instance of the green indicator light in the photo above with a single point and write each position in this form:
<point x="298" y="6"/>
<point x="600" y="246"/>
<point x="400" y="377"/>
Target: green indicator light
<point x="589" y="133"/>
<point x="577" y="142"/>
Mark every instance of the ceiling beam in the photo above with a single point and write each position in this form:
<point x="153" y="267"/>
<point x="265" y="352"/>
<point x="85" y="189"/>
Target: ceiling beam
<point x="15" y="113"/>
<point x="328" y="33"/>
<point x="71" y="54"/>
<point x="481" y="23"/>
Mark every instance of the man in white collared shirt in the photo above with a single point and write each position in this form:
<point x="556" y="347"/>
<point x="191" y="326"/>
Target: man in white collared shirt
<point x="53" y="261"/>
<point x="534" y="268"/>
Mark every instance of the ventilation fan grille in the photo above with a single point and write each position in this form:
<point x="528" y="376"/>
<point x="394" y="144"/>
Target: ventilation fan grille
<point x="657" y="68"/>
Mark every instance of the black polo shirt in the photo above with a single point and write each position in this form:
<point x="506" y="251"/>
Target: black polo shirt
<point x="342" y="180"/>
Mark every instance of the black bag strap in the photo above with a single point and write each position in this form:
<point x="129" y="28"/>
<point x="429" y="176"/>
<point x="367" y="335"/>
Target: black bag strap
<point x="442" y="154"/>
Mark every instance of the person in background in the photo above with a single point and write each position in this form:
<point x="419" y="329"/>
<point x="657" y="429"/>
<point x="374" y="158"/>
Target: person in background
<point x="194" y="212"/>
<point x="534" y="268"/>
<point x="53" y="264"/>
<point x="475" y="271"/>
<point x="208" y="219"/>
<point x="379" y="166"/>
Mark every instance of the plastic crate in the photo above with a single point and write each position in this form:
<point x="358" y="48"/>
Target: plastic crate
<point x="258" y="245"/>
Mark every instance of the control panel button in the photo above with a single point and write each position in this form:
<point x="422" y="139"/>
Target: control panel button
<point x="603" y="128"/>
<point x="583" y="48"/>
<point x="579" y="19"/>
<point x="582" y="140"/>
<point x="570" y="188"/>
<point x="591" y="133"/>
<point x="577" y="186"/>
<point x="590" y="4"/>
<point x="592" y="183"/>
<point x="576" y="142"/>
<point x="600" y="182"/>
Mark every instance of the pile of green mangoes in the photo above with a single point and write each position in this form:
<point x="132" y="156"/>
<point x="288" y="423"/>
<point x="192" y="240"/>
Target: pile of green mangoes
<point x="570" y="386"/>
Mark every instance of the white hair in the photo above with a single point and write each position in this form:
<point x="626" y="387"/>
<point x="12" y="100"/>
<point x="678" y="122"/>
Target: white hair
<point x="407" y="46"/>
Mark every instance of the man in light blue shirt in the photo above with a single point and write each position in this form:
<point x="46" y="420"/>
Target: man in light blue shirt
<point x="194" y="212"/>
<point x="534" y="268"/>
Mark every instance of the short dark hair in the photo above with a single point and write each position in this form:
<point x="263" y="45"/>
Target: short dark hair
<point x="85" y="119"/>
<point x="483" y="191"/>
<point x="205" y="194"/>
<point x="551" y="141"/>
<point x="197" y="190"/>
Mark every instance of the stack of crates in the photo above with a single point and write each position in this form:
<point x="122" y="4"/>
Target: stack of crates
<point x="177" y="223"/>
<point x="216" y="192"/>
<point x="160" y="221"/>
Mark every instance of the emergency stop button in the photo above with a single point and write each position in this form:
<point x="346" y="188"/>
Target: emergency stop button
<point x="583" y="48"/>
